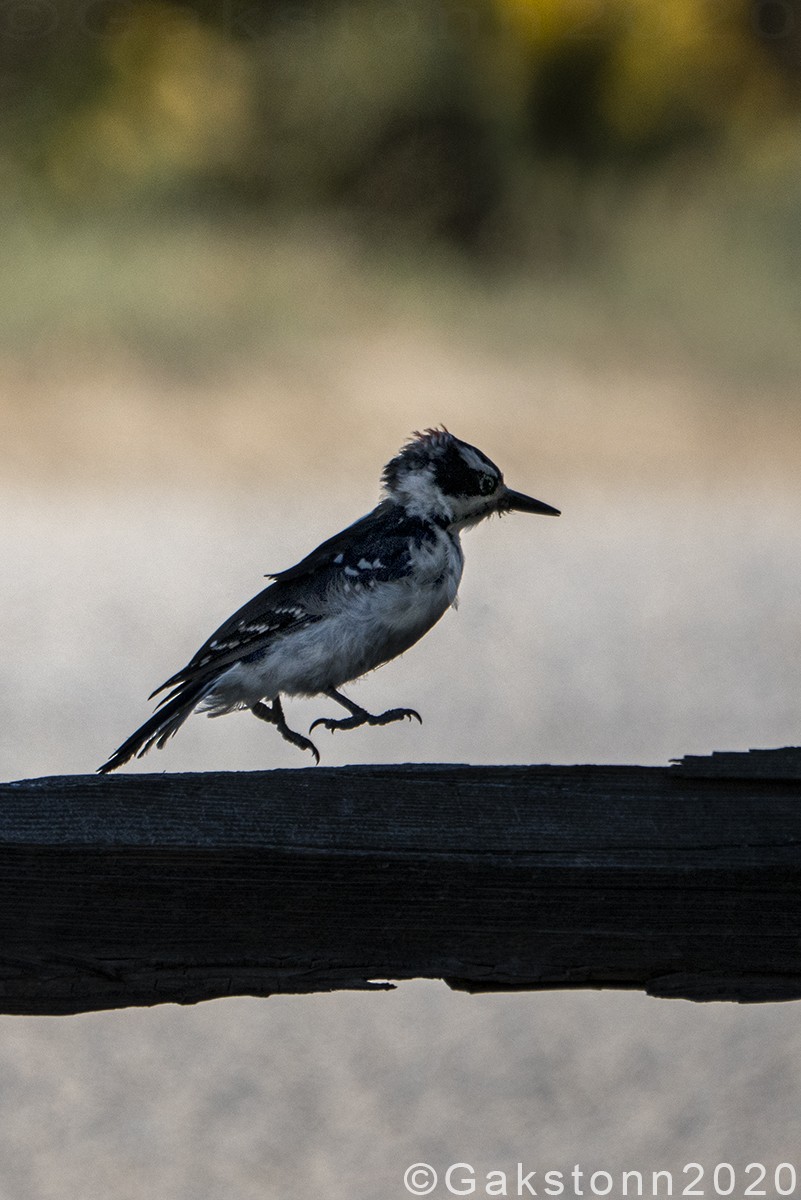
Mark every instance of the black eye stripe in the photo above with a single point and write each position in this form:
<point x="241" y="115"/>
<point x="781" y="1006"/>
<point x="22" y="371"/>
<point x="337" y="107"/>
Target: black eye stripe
<point x="457" y="478"/>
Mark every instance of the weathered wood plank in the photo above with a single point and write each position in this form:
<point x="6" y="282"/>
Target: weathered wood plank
<point x="139" y="889"/>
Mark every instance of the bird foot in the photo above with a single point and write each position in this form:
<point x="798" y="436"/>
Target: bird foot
<point x="297" y="739"/>
<point x="365" y="718"/>
<point x="275" y="716"/>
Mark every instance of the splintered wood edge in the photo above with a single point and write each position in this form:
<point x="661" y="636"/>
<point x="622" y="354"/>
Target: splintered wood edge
<point x="784" y="763"/>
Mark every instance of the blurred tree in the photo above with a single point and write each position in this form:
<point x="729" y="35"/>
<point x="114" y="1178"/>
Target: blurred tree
<point x="627" y="80"/>
<point x="419" y="115"/>
<point x="172" y="101"/>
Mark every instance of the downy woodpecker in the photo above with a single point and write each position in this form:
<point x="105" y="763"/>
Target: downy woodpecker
<point x="357" y="601"/>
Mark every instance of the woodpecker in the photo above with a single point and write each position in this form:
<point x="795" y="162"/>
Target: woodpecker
<point x="360" y="599"/>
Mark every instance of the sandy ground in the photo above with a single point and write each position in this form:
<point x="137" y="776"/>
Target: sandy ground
<point x="658" y="616"/>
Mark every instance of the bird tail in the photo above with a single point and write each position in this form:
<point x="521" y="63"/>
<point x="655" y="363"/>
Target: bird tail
<point x="166" y="721"/>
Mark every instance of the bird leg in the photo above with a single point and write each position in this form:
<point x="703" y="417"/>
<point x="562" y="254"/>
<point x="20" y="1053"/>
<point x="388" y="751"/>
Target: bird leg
<point x="359" y="716"/>
<point x="274" y="713"/>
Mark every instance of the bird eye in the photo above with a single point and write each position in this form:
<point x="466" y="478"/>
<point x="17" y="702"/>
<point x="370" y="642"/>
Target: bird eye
<point x="487" y="484"/>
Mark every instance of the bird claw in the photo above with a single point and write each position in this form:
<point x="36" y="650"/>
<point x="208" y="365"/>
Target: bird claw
<point x="328" y="723"/>
<point x="305" y="744"/>
<point x="302" y="743"/>
<point x="274" y="715"/>
<point x="365" y="718"/>
<point x="398" y="714"/>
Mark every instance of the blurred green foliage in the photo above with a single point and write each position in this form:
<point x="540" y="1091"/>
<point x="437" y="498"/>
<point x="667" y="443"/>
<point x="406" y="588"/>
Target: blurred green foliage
<point x="633" y="165"/>
<point x="630" y="79"/>
<point x="426" y="113"/>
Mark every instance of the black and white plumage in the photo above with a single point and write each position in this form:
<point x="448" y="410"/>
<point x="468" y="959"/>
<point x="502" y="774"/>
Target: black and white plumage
<point x="357" y="601"/>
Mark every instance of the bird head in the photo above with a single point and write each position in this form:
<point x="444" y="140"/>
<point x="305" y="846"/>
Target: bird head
<point x="439" y="477"/>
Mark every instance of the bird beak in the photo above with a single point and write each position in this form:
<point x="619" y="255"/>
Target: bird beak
<point x="516" y="502"/>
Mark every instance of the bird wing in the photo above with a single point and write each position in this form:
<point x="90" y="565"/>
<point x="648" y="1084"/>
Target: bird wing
<point x="373" y="549"/>
<point x="361" y="535"/>
<point x="251" y="628"/>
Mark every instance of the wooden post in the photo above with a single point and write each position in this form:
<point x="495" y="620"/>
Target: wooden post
<point x="139" y="889"/>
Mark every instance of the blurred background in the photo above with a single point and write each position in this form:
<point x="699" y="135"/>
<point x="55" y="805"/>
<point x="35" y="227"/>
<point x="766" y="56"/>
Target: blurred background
<point x="246" y="249"/>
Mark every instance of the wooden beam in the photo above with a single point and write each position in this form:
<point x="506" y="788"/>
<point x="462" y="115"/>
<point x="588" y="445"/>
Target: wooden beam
<point x="138" y="889"/>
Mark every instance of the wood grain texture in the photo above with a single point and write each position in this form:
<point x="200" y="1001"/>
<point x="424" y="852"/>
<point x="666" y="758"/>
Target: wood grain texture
<point x="140" y="889"/>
